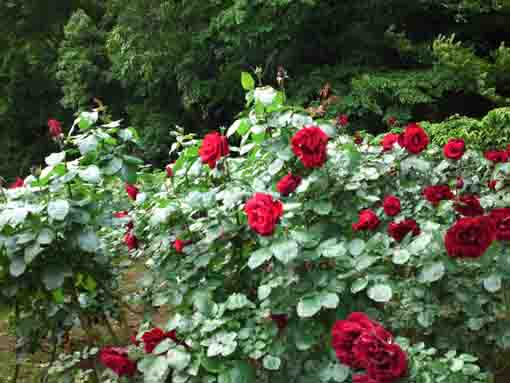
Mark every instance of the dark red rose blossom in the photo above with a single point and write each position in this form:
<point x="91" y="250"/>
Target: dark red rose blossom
<point x="391" y="205"/>
<point x="362" y="378"/>
<point x="116" y="359"/>
<point x="501" y="219"/>
<point x="169" y="170"/>
<point x="468" y="205"/>
<point x="263" y="213"/>
<point x="470" y="237"/>
<point x="19" y="183"/>
<point x="180" y="244"/>
<point x="414" y="139"/>
<point x="392" y="120"/>
<point x="288" y="184"/>
<point x="496" y="156"/>
<point x="398" y="230"/>
<point x="343" y="120"/>
<point x="459" y="184"/>
<point x="281" y="321"/>
<point x="345" y="333"/>
<point x="155" y="336"/>
<point x="437" y="193"/>
<point x="491" y="184"/>
<point x="309" y="144"/>
<point x="55" y="128"/>
<point x="388" y="141"/>
<point x="385" y="362"/>
<point x="130" y="240"/>
<point x="454" y="149"/>
<point x="132" y="191"/>
<point x="214" y="146"/>
<point x="368" y="220"/>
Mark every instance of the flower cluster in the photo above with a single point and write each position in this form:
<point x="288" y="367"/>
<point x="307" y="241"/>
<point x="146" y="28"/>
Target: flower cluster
<point x="363" y="344"/>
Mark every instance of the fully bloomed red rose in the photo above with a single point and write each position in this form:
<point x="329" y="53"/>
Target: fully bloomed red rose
<point x="385" y="362"/>
<point x="263" y="213"/>
<point x="345" y="333"/>
<point x="343" y="120"/>
<point x="454" y="149"/>
<point x="368" y="220"/>
<point x="391" y="205"/>
<point x="388" y="141"/>
<point x="470" y="237"/>
<point x="116" y="359"/>
<point x="468" y="205"/>
<point x="155" y="336"/>
<point x="19" y="183"/>
<point x="399" y="230"/>
<point x="414" y="139"/>
<point x="496" y="156"/>
<point x="309" y="145"/>
<point x="214" y="146"/>
<point x="501" y="218"/>
<point x="288" y="184"/>
<point x="436" y="193"/>
<point x="180" y="244"/>
<point x="130" y="240"/>
<point x="55" y="128"/>
<point x="132" y="191"/>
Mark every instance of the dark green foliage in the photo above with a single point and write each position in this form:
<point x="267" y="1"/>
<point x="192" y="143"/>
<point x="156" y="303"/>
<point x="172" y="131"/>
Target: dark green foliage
<point x="159" y="63"/>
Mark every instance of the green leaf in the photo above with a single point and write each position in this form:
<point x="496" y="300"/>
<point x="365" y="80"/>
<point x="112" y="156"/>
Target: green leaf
<point x="322" y="207"/>
<point x="178" y="358"/>
<point x="356" y="247"/>
<point x="285" y="250"/>
<point x="334" y="371"/>
<point x="275" y="167"/>
<point x="46" y="236"/>
<point x="55" y="158"/>
<point x="53" y="277"/>
<point x="113" y="166"/>
<point x="271" y="362"/>
<point x="154" y="369"/>
<point x="131" y="160"/>
<point x="31" y="252"/>
<point x="329" y="300"/>
<point x="380" y="293"/>
<point x="58" y="296"/>
<point x="90" y="174"/>
<point x="309" y="306"/>
<point x="242" y="372"/>
<point x="237" y="301"/>
<point x="247" y="81"/>
<point x="88" y="241"/>
<point x="400" y="256"/>
<point x="58" y="209"/>
<point x="128" y="174"/>
<point x="17" y="266"/>
<point x="258" y="257"/>
<point x="359" y="285"/>
<point x="163" y="346"/>
<point x="431" y="272"/>
<point x="492" y="283"/>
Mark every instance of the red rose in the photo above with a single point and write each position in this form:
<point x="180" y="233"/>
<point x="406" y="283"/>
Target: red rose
<point x="281" y="321"/>
<point x="116" y="359"/>
<point x="345" y="333"/>
<point x="388" y="141"/>
<point x="368" y="220"/>
<point x="459" y="184"/>
<point x="386" y="362"/>
<point x="399" y="230"/>
<point x="392" y="120"/>
<point x="414" y="139"/>
<point x="468" y="205"/>
<point x="362" y="379"/>
<point x="391" y="205"/>
<point x="214" y="146"/>
<point x="130" y="240"/>
<point x="55" y="128"/>
<point x="179" y="245"/>
<point x="437" y="193"/>
<point x="288" y="184"/>
<point x="19" y="183"/>
<point x="496" y="156"/>
<point x="454" y="149"/>
<point x="501" y="218"/>
<point x="343" y="120"/>
<point x="153" y="337"/>
<point x="470" y="237"/>
<point x="309" y="145"/>
<point x="124" y="214"/>
<point x="132" y="191"/>
<point x="491" y="184"/>
<point x="169" y="170"/>
<point x="263" y="213"/>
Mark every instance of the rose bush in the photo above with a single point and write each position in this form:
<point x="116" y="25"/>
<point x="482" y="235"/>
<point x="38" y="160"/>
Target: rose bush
<point x="272" y="264"/>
